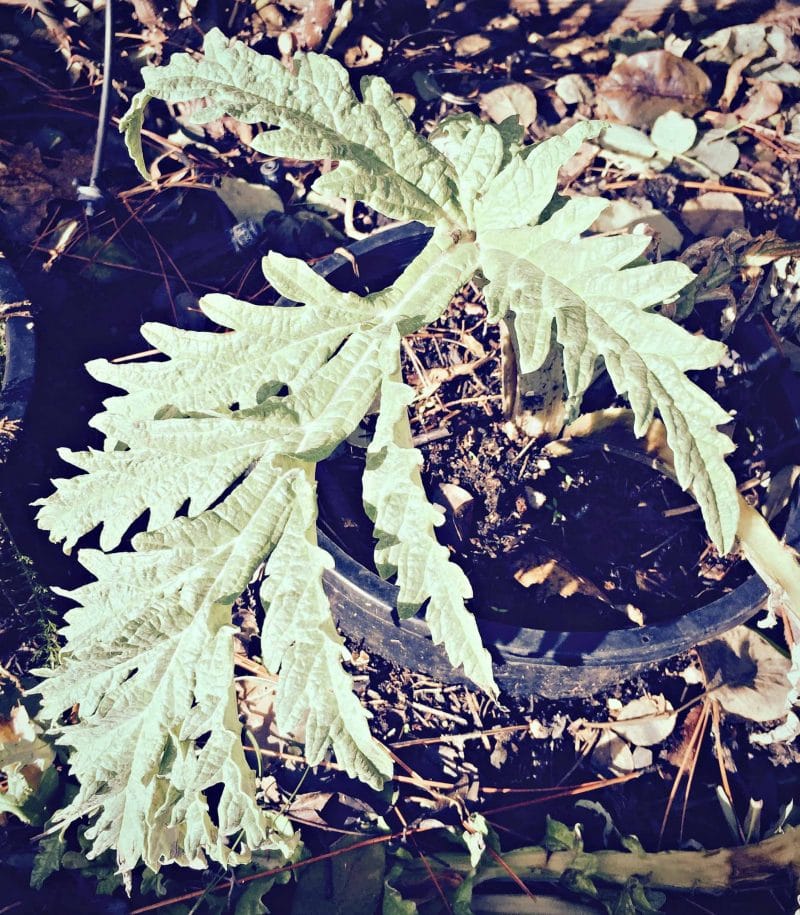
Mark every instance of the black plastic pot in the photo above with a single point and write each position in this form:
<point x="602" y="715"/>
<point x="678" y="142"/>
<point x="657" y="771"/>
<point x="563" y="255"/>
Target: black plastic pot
<point x="527" y="661"/>
<point x="18" y="374"/>
<point x="20" y="350"/>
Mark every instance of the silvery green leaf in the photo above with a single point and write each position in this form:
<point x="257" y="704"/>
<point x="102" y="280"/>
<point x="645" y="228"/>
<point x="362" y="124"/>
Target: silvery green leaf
<point x="598" y="310"/>
<point x="517" y="195"/>
<point x="313" y="113"/>
<point x="405" y="523"/>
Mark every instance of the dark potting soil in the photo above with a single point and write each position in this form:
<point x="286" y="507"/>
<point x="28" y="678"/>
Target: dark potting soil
<point x="590" y="541"/>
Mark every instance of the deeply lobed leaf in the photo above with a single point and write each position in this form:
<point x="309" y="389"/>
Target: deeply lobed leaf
<point x="382" y="160"/>
<point x="407" y="546"/>
<point x="551" y="278"/>
<point x="159" y="725"/>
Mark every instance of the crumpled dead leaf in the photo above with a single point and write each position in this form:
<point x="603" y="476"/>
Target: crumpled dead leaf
<point x="747" y="675"/>
<point x="644" y="86"/>
<point x="613" y="755"/>
<point x="763" y="100"/>
<point x="573" y="89"/>
<point x="513" y="100"/>
<point x="717" y="212"/>
<point x="541" y="564"/>
<point x="716" y="152"/>
<point x="656" y="725"/>
<point x="315" y="17"/>
<point x="27" y="186"/>
<point x="472" y="45"/>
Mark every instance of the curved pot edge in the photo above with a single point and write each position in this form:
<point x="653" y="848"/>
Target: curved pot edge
<point x="20" y="349"/>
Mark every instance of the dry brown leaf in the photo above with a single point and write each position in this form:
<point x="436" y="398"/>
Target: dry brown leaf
<point x="472" y="45"/>
<point x="646" y="85"/>
<point x="679" y="754"/>
<point x="513" y="100"/>
<point x="541" y="564"/>
<point x="763" y="100"/>
<point x="27" y="186"/>
<point x="573" y="89"/>
<point x="315" y="17"/>
<point x="656" y="723"/>
<point x="747" y="674"/>
<point x="713" y="213"/>
<point x="734" y="79"/>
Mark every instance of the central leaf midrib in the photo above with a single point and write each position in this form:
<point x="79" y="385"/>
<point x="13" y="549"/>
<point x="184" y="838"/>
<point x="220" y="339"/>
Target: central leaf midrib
<point x="365" y="154"/>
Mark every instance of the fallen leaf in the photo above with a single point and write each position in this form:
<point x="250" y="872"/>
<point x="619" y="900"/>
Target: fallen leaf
<point x="575" y="166"/>
<point x="657" y="723"/>
<point x="540" y="564"/>
<point x="612" y="754"/>
<point x="716" y="152"/>
<point x="513" y="100"/>
<point x="628" y="215"/>
<point x="715" y="212"/>
<point x="763" y="100"/>
<point x="648" y="84"/>
<point x="773" y="70"/>
<point x="678" y="754"/>
<point x="459" y="508"/>
<point x="308" y="807"/>
<point x="27" y="186"/>
<point x="316" y="16"/>
<point x="780" y="294"/>
<point x="727" y="45"/>
<point x="734" y="79"/>
<point x="621" y="138"/>
<point x="783" y="733"/>
<point x="364" y="54"/>
<point x="573" y="89"/>
<point x="673" y="133"/>
<point x="246" y="200"/>
<point x="746" y="674"/>
<point x="472" y="45"/>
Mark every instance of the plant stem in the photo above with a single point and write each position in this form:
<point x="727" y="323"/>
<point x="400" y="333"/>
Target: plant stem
<point x="711" y="871"/>
<point x="533" y="403"/>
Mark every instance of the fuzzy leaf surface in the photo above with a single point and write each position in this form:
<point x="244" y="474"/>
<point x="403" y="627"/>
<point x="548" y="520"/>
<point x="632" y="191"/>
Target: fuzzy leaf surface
<point x="549" y="276"/>
<point x="316" y="115"/>
<point x="217" y="446"/>
<point x="405" y="523"/>
<point x="149" y="653"/>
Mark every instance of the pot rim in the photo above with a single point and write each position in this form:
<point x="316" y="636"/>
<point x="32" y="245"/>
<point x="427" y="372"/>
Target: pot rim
<point x="20" y="348"/>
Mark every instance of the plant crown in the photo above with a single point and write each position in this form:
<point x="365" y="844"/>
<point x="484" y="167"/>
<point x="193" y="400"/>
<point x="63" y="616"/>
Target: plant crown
<point x="235" y="423"/>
